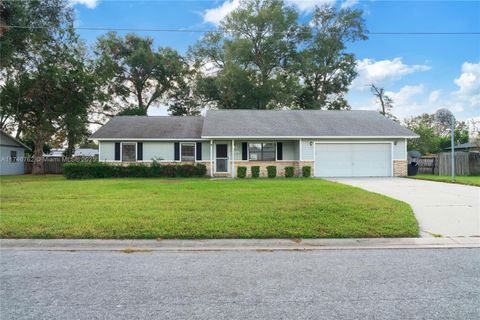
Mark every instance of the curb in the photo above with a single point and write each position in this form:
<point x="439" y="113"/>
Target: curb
<point x="130" y="246"/>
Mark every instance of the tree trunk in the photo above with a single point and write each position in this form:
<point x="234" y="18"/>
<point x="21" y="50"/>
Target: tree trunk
<point x="19" y="129"/>
<point x="71" y="145"/>
<point x="382" y="104"/>
<point x="38" y="154"/>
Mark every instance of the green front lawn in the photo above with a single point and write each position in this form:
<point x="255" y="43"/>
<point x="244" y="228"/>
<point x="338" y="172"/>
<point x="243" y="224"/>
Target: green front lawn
<point x="469" y="180"/>
<point x="52" y="207"/>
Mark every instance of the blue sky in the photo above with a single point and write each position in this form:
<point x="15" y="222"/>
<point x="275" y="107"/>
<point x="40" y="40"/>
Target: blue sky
<point x="422" y="73"/>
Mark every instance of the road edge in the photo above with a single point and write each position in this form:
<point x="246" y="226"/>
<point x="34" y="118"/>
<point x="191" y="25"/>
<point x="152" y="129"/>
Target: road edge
<point x="131" y="246"/>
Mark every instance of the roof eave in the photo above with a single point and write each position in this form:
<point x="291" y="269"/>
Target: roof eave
<point x="16" y="140"/>
<point x="311" y="137"/>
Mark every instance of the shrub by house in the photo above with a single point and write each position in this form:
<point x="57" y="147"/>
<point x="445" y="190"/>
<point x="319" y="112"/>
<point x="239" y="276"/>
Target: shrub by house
<point x="89" y="170"/>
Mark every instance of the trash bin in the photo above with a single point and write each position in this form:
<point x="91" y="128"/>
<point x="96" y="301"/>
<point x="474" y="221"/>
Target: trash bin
<point x="412" y="169"/>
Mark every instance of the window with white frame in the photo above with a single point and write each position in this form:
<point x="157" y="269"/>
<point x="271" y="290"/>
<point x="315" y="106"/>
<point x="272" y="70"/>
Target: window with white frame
<point x="128" y="151"/>
<point x="188" y="151"/>
<point x="262" y="151"/>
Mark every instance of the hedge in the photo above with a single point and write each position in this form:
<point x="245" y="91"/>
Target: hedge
<point x="89" y="170"/>
<point x="289" y="172"/>
<point x="306" y="171"/>
<point x="241" y="172"/>
<point x="255" y="171"/>
<point x="272" y="171"/>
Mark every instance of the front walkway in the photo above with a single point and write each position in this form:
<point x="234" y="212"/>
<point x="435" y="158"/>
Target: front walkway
<point x="441" y="209"/>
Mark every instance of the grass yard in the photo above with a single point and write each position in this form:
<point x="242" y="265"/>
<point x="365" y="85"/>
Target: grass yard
<point x="53" y="207"/>
<point x="469" y="180"/>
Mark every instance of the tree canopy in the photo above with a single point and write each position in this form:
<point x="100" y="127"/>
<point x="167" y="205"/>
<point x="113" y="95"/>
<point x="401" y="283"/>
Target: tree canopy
<point x="264" y="59"/>
<point x="133" y="74"/>
<point x="48" y="87"/>
<point x="434" y="136"/>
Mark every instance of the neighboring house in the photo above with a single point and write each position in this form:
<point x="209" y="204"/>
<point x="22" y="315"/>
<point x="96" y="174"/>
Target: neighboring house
<point x="12" y="153"/>
<point x="469" y="146"/>
<point x="85" y="152"/>
<point x="333" y="143"/>
<point x="54" y="153"/>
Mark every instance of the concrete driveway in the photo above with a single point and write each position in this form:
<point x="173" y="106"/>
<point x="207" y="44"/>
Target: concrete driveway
<point x="440" y="208"/>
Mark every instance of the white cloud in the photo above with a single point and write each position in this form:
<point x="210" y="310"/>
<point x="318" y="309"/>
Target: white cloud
<point x="349" y="3"/>
<point x="412" y="100"/>
<point x="91" y="4"/>
<point x="434" y="95"/>
<point x="383" y="72"/>
<point x="405" y="94"/>
<point x="406" y="101"/>
<point x="469" y="84"/>
<point x="215" y="15"/>
<point x="309" y="5"/>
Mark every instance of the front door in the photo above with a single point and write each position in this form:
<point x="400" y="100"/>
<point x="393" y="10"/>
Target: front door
<point x="221" y="157"/>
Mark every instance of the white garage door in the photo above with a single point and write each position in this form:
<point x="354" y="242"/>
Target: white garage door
<point x="353" y="160"/>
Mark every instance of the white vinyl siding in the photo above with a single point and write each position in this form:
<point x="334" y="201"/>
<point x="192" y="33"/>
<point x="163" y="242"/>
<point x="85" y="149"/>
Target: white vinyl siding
<point x="106" y="151"/>
<point x="307" y="150"/>
<point x="7" y="167"/>
<point x="290" y="150"/>
<point x="205" y="151"/>
<point x="160" y="151"/>
<point x="398" y="149"/>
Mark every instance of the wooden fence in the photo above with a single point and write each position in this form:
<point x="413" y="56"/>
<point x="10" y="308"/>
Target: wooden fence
<point x="466" y="164"/>
<point x="426" y="165"/>
<point x="474" y="163"/>
<point x="55" y="165"/>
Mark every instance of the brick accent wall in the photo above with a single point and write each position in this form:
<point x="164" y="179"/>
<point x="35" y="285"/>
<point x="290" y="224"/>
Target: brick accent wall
<point x="400" y="168"/>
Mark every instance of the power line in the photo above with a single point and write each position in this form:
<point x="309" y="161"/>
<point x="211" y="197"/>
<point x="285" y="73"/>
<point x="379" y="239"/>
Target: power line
<point x="226" y="30"/>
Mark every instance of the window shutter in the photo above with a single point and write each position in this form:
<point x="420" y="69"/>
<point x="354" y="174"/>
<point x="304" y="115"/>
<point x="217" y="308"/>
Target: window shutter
<point x="176" y="155"/>
<point x="139" y="151"/>
<point x="199" y="151"/>
<point x="279" y="151"/>
<point x="117" y="151"/>
<point x="244" y="151"/>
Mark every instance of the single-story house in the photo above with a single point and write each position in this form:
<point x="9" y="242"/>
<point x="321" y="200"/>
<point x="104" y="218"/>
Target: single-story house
<point x="333" y="143"/>
<point x="12" y="153"/>
<point x="86" y="152"/>
<point x="54" y="154"/>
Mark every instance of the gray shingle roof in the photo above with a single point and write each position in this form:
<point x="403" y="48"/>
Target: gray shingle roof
<point x="6" y="139"/>
<point x="300" y="123"/>
<point x="254" y="123"/>
<point x="150" y="127"/>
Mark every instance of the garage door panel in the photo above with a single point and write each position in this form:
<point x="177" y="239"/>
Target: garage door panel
<point x="352" y="159"/>
<point x="338" y="166"/>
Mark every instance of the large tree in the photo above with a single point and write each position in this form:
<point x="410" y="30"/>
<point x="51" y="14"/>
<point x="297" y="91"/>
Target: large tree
<point x="134" y="75"/>
<point x="48" y="87"/>
<point x="265" y="59"/>
<point x="249" y="62"/>
<point x="324" y="66"/>
<point x="434" y="136"/>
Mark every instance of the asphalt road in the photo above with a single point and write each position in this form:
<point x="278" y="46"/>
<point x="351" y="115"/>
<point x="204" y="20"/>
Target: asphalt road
<point x="330" y="284"/>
